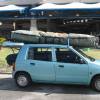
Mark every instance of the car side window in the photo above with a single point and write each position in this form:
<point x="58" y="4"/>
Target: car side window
<point x="41" y="54"/>
<point x="65" y="55"/>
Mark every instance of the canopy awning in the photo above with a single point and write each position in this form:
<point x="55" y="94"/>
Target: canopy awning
<point x="12" y="8"/>
<point x="74" y="9"/>
<point x="12" y="11"/>
<point x="74" y="5"/>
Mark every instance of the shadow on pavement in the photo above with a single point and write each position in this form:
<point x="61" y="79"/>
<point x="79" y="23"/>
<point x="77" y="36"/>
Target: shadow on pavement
<point x="9" y="85"/>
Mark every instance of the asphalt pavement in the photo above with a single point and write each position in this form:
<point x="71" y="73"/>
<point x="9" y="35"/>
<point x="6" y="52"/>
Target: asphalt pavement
<point x="9" y="91"/>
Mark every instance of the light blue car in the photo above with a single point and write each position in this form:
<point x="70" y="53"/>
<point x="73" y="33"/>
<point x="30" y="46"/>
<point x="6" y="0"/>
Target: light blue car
<point x="47" y="63"/>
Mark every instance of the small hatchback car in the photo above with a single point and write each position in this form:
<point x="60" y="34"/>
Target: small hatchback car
<point x="55" y="64"/>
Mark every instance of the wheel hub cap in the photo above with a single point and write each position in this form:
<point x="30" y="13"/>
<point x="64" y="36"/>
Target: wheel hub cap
<point x="22" y="81"/>
<point x="97" y="84"/>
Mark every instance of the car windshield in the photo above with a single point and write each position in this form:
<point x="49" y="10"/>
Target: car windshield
<point x="83" y="54"/>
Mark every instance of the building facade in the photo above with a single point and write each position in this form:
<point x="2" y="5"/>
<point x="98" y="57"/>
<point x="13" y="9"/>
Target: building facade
<point x="85" y="26"/>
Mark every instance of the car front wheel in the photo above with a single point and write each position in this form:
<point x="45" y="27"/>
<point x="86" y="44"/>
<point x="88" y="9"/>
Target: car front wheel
<point x="96" y="83"/>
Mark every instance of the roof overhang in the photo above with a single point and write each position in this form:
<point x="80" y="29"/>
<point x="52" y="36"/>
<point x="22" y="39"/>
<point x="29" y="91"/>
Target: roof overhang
<point x="72" y="10"/>
<point x="12" y="11"/>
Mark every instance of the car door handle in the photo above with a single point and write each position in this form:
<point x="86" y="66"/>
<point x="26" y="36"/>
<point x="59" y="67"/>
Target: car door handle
<point x="32" y="64"/>
<point x="61" y="66"/>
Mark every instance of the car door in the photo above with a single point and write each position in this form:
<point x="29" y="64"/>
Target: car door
<point x="41" y="64"/>
<point x="69" y="69"/>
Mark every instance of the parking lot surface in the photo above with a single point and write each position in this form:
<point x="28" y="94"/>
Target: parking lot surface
<point x="9" y="91"/>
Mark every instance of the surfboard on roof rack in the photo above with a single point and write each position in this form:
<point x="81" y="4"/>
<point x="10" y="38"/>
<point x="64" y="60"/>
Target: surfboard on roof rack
<point x="40" y="37"/>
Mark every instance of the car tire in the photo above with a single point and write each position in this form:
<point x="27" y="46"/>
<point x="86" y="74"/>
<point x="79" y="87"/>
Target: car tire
<point x="23" y="80"/>
<point x="96" y="83"/>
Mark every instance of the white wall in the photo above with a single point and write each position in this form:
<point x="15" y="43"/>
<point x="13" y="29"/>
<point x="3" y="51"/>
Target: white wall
<point x="19" y="2"/>
<point x="68" y="1"/>
<point x="27" y="2"/>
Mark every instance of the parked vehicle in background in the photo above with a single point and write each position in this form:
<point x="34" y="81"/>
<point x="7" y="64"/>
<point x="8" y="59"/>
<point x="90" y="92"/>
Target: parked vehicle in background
<point x="55" y="64"/>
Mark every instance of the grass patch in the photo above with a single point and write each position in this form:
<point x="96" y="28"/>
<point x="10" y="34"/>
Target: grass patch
<point x="95" y="53"/>
<point x="3" y="54"/>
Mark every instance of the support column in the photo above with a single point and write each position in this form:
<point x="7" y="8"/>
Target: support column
<point x="51" y="25"/>
<point x="98" y="31"/>
<point x="97" y="28"/>
<point x="14" y="25"/>
<point x="33" y="26"/>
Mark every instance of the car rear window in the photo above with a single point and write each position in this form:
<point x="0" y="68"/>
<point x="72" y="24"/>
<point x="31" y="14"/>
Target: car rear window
<point x="42" y="54"/>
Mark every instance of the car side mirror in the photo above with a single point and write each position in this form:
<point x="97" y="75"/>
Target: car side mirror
<point x="82" y="61"/>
